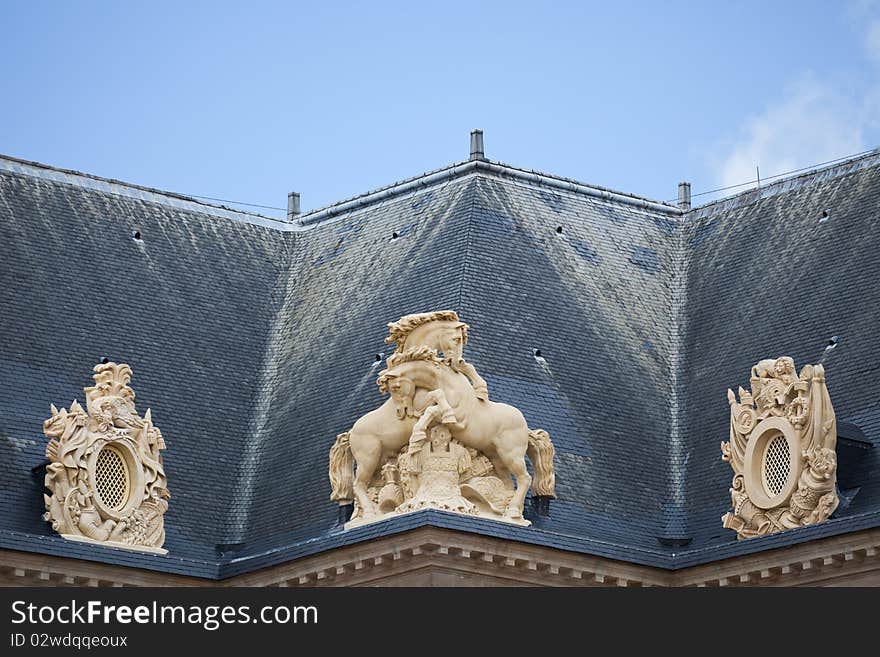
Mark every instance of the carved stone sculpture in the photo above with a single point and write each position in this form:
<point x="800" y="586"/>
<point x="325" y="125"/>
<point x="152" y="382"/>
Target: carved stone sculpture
<point x="438" y="441"/>
<point x="105" y="472"/>
<point x="435" y="472"/>
<point x="783" y="437"/>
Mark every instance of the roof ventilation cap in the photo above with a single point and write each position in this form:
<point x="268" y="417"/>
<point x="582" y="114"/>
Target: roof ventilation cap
<point x="293" y="206"/>
<point x="477" y="151"/>
<point x="684" y="195"/>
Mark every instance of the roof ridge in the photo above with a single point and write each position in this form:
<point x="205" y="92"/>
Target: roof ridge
<point x="785" y="182"/>
<point x="468" y="167"/>
<point x="580" y="183"/>
<point x="125" y="185"/>
<point x="446" y="173"/>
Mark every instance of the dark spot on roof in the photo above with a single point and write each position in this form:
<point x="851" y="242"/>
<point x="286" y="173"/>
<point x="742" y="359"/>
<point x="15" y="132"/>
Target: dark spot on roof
<point x="496" y="220"/>
<point x="646" y="259"/>
<point x="339" y="245"/>
<point x="584" y="250"/>
<point x="611" y="214"/>
<point x="651" y="349"/>
<point x="552" y="201"/>
<point x="338" y="248"/>
<point x="406" y="229"/>
<point x="702" y="232"/>
<point x="421" y="201"/>
<point x="665" y="224"/>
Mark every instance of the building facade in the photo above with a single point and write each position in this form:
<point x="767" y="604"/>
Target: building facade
<point x="613" y="322"/>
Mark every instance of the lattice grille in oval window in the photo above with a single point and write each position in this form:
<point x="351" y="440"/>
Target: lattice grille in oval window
<point x="776" y="466"/>
<point x="111" y="478"/>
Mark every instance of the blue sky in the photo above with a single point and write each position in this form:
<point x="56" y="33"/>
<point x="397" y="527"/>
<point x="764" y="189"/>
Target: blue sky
<point x="247" y="101"/>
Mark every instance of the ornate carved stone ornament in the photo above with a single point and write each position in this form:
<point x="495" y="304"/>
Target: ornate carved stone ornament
<point x="783" y="437"/>
<point x="106" y="477"/>
<point x="438" y="441"/>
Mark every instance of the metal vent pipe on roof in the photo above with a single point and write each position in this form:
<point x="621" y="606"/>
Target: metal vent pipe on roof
<point x="477" y="152"/>
<point x="684" y="195"/>
<point x="293" y="209"/>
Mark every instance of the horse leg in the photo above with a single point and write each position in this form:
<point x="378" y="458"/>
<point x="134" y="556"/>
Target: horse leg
<point x="501" y="471"/>
<point x="420" y="430"/>
<point x="447" y="415"/>
<point x="523" y="481"/>
<point x="438" y="409"/>
<point x="514" y="460"/>
<point x="481" y="388"/>
<point x="367" y="460"/>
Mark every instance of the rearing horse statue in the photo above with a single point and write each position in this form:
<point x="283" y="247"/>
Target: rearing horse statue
<point x="442" y="331"/>
<point x="426" y="389"/>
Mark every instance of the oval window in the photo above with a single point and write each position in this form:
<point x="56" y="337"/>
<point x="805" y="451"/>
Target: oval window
<point x="776" y="466"/>
<point x="111" y="478"/>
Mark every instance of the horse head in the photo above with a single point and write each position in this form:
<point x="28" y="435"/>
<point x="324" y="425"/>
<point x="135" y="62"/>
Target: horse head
<point x="440" y="330"/>
<point x="398" y="379"/>
<point x="448" y="338"/>
<point x="402" y="391"/>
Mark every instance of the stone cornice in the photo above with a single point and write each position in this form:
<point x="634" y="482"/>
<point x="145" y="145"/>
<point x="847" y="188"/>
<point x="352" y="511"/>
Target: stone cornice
<point x="848" y="559"/>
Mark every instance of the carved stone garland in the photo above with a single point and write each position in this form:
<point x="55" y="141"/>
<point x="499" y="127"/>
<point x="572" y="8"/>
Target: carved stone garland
<point x="438" y="442"/>
<point x="105" y="472"/>
<point x="783" y="437"/>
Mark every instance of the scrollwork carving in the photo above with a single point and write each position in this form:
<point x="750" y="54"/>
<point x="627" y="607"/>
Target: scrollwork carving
<point x="105" y="469"/>
<point x="782" y="446"/>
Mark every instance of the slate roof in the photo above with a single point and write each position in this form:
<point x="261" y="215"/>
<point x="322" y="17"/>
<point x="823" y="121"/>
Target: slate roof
<point x="254" y="343"/>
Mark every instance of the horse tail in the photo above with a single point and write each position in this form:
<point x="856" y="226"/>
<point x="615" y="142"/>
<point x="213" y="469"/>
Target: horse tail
<point x="540" y="451"/>
<point x="342" y="470"/>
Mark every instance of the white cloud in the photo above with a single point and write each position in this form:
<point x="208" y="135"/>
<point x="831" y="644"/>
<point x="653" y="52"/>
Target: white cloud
<point x="812" y="123"/>
<point x="814" y="120"/>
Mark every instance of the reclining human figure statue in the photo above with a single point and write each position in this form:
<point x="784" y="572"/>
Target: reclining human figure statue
<point x="431" y="386"/>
